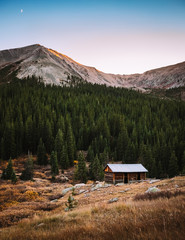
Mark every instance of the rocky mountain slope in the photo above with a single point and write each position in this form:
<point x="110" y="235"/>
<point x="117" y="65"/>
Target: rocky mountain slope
<point x="56" y="68"/>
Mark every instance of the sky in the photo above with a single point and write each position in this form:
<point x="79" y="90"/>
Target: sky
<point x="115" y="36"/>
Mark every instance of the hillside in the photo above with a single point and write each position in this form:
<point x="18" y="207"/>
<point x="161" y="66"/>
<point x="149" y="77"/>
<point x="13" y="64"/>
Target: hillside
<point x="36" y="209"/>
<point x="47" y="129"/>
<point x="111" y="124"/>
<point x="58" y="69"/>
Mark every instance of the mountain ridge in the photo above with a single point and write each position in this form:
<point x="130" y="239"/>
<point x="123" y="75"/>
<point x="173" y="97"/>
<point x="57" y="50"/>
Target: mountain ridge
<point x="56" y="68"/>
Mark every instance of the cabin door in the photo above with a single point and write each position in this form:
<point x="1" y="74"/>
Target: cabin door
<point x="126" y="178"/>
<point x="138" y="176"/>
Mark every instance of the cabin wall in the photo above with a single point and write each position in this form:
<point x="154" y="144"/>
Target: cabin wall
<point x="119" y="177"/>
<point x="132" y="176"/>
<point x="143" y="176"/>
<point x="108" y="177"/>
<point x="122" y="177"/>
<point x="136" y="176"/>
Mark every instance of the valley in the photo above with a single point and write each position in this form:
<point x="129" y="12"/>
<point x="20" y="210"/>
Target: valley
<point x="92" y="120"/>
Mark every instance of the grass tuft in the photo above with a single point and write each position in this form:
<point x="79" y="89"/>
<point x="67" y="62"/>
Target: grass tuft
<point x="156" y="195"/>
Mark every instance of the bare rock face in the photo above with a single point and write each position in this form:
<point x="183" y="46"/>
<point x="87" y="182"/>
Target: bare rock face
<point x="55" y="68"/>
<point x="166" y="77"/>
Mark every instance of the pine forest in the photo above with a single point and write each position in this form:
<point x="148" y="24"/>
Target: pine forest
<point x="109" y="124"/>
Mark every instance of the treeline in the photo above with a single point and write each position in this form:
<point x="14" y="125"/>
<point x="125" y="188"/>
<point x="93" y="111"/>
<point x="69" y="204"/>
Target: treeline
<point x="111" y="124"/>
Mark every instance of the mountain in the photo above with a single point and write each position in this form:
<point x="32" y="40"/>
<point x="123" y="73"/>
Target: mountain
<point x="56" y="68"/>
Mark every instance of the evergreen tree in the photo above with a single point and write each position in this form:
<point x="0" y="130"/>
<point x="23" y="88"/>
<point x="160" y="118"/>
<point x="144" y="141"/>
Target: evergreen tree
<point x="59" y="145"/>
<point x="27" y="173"/>
<point x="2" y="149"/>
<point x="54" y="164"/>
<point x="101" y="173"/>
<point x="183" y="163"/>
<point x="96" y="169"/>
<point x="173" y="167"/>
<point x="130" y="153"/>
<point x="61" y="124"/>
<point x="64" y="158"/>
<point x="159" y="170"/>
<point x="81" y="169"/>
<point x="29" y="133"/>
<point x="70" y="143"/>
<point x="149" y="162"/>
<point x="9" y="169"/>
<point x="41" y="154"/>
<point x="13" y="177"/>
<point x="48" y="137"/>
<point x="90" y="155"/>
<point x="9" y="173"/>
<point x="104" y="158"/>
<point x="153" y="168"/>
<point x="122" y="143"/>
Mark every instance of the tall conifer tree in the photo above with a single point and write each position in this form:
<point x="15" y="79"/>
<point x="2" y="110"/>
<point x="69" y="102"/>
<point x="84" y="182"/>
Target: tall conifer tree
<point x="81" y="169"/>
<point x="54" y="164"/>
<point x="173" y="167"/>
<point x="59" y="145"/>
<point x="41" y="154"/>
<point x="27" y="173"/>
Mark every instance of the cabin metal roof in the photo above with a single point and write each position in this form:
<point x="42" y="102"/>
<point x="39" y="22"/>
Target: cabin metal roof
<point x="127" y="168"/>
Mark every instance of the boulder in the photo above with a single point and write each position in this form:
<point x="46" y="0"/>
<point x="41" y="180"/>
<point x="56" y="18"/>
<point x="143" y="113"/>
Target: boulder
<point x="100" y="185"/>
<point x="81" y="191"/>
<point x="79" y="185"/>
<point x="67" y="190"/>
<point x="152" y="190"/>
<point x="154" y="181"/>
<point x="126" y="190"/>
<point x="106" y="185"/>
<point x="113" y="200"/>
<point x="119" y="184"/>
<point x="97" y="186"/>
<point x="86" y="195"/>
<point x="40" y="225"/>
<point x="55" y="200"/>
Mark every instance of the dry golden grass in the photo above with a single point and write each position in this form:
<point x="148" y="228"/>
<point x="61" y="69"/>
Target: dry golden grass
<point x="156" y="195"/>
<point x="27" y="211"/>
<point x="156" y="219"/>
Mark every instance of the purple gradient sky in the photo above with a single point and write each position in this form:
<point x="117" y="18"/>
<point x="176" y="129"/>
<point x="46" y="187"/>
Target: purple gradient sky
<point x="128" y="36"/>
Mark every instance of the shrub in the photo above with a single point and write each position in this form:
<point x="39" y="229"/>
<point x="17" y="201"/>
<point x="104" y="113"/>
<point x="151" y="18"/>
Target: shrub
<point x="46" y="206"/>
<point x="7" y="217"/>
<point x="31" y="195"/>
<point x="71" y="203"/>
<point x="156" y="195"/>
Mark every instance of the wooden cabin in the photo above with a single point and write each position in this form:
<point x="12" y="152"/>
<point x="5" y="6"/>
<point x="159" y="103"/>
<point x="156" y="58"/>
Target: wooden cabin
<point x="117" y="173"/>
